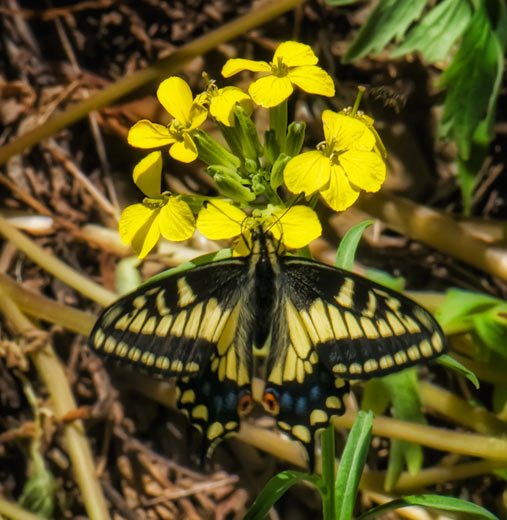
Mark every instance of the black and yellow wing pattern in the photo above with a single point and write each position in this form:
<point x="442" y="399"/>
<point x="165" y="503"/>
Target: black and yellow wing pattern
<point x="322" y="326"/>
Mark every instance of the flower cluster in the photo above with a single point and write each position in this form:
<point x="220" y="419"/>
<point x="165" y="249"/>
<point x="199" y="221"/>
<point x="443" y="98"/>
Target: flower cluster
<point x="248" y="175"/>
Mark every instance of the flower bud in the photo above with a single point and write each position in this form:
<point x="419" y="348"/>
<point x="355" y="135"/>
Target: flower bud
<point x="229" y="183"/>
<point x="295" y="138"/>
<point x="213" y="153"/>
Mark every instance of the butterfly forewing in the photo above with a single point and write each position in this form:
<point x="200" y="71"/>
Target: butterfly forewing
<point x="190" y="325"/>
<point x="359" y="329"/>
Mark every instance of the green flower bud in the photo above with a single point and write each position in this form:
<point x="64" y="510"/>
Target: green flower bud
<point x="247" y="133"/>
<point x="271" y="148"/>
<point x="295" y="138"/>
<point x="229" y="183"/>
<point x="277" y="171"/>
<point x="212" y="152"/>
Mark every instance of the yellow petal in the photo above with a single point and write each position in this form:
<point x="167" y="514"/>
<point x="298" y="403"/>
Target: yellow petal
<point x="132" y="219"/>
<point x="366" y="170"/>
<point x="294" y="54"/>
<point x="299" y="226"/>
<point x="223" y="102"/>
<point x="312" y="79"/>
<point x="145" y="134"/>
<point x="147" y="236"/>
<point x="175" y="96"/>
<point x="198" y="115"/>
<point x="270" y="91"/>
<point x="347" y="131"/>
<point x="176" y="220"/>
<point x="235" y="65"/>
<point x="148" y="174"/>
<point x="339" y="194"/>
<point x="185" y="150"/>
<point x="219" y="219"/>
<point x="307" y="172"/>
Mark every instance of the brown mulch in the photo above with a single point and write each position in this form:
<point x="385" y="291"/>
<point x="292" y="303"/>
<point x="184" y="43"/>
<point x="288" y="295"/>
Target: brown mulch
<point x="54" y="54"/>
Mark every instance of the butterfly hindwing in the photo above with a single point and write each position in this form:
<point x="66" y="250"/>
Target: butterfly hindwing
<point x="300" y="391"/>
<point x="193" y="325"/>
<point x="360" y="329"/>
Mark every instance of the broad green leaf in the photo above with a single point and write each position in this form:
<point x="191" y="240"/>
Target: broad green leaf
<point x="348" y="245"/>
<point x="451" y="363"/>
<point x="470" y="81"/>
<point x="375" y="396"/>
<point x="352" y="465"/>
<point x="435" y="34"/>
<point x="500" y="400"/>
<point x="461" y="305"/>
<point x="491" y="327"/>
<point x="433" y="501"/>
<point x="404" y="394"/>
<point x="389" y="19"/>
<point x="273" y="490"/>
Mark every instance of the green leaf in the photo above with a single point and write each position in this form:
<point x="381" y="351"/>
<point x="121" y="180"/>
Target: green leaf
<point x="375" y="396"/>
<point x="203" y="259"/>
<point x="397" y="283"/>
<point x="407" y="407"/>
<point x="453" y="364"/>
<point x="435" y="34"/>
<point x="433" y="501"/>
<point x="340" y="2"/>
<point x="470" y="80"/>
<point x="389" y="19"/>
<point x="38" y="494"/>
<point x="491" y="327"/>
<point x="351" y="465"/>
<point x="500" y="400"/>
<point x="348" y="245"/>
<point x="127" y="275"/>
<point x="273" y="490"/>
<point x="460" y="305"/>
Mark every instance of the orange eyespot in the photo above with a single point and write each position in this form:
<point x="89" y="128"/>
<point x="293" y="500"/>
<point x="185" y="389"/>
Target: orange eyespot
<point x="271" y="405"/>
<point x="245" y="404"/>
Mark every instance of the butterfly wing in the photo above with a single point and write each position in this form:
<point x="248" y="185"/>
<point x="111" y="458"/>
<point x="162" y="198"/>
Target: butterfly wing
<point x="360" y="329"/>
<point x="333" y="325"/>
<point x="186" y="325"/>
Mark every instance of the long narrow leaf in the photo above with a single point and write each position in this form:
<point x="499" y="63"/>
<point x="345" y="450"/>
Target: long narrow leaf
<point x="273" y="490"/>
<point x="351" y="465"/>
<point x="433" y="501"/>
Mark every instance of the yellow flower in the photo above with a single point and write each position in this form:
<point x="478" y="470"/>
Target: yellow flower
<point x="159" y="214"/>
<point x="342" y="166"/>
<point x="293" y="64"/>
<point x="294" y="227"/>
<point x="175" y="96"/>
<point x="223" y="100"/>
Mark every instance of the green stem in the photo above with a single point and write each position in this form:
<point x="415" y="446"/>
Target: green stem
<point x="278" y="122"/>
<point x="359" y="96"/>
<point x="328" y="472"/>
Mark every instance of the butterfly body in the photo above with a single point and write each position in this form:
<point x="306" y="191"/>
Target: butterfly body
<point x="319" y="325"/>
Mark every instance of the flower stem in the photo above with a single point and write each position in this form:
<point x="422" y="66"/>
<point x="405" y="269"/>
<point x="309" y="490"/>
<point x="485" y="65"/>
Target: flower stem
<point x="355" y="108"/>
